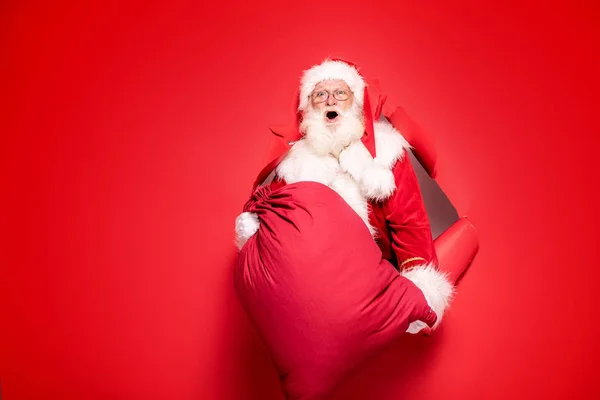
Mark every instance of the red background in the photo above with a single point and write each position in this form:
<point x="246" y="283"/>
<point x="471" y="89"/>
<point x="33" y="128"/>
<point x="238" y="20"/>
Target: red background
<point x="131" y="134"/>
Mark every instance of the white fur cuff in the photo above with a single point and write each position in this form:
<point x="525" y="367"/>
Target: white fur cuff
<point x="246" y="225"/>
<point x="436" y="288"/>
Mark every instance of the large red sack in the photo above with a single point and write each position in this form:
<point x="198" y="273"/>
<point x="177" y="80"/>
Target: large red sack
<point x="316" y="289"/>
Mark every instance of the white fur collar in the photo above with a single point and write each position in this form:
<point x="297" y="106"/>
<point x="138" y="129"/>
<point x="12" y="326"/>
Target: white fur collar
<point x="373" y="175"/>
<point x="357" y="177"/>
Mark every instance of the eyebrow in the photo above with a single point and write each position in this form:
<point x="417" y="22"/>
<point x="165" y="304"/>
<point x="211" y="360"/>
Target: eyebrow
<point x="338" y="88"/>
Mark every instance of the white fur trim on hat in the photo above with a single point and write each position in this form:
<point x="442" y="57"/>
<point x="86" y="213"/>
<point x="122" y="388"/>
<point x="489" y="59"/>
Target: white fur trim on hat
<point x="329" y="69"/>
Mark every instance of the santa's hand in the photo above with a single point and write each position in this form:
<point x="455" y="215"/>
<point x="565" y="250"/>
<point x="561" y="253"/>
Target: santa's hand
<point x="422" y="317"/>
<point x="434" y="285"/>
<point x="424" y="323"/>
<point x="419" y="327"/>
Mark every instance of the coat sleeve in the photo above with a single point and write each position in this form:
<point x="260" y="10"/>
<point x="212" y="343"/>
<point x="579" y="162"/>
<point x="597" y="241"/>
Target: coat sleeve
<point x="412" y="241"/>
<point x="407" y="219"/>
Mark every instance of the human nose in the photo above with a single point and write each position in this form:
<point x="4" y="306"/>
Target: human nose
<point x="331" y="99"/>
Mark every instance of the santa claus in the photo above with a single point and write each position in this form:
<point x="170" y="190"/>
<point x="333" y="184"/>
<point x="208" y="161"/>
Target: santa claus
<point x="342" y="144"/>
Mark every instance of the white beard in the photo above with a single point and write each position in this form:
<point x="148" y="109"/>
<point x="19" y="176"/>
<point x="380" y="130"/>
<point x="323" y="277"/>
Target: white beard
<point x="331" y="139"/>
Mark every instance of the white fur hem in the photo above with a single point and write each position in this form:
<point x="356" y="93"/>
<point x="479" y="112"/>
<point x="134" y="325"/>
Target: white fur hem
<point x="246" y="225"/>
<point x="436" y="288"/>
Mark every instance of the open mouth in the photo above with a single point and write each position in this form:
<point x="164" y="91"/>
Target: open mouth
<point x="331" y="116"/>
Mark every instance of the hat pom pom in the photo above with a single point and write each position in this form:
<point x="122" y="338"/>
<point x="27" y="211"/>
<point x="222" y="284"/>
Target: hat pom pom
<point x="378" y="183"/>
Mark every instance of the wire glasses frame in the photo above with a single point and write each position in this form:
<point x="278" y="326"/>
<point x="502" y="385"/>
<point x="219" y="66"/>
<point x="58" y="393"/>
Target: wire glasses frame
<point x="322" y="95"/>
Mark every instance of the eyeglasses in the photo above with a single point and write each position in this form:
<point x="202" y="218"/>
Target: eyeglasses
<point x="322" y="95"/>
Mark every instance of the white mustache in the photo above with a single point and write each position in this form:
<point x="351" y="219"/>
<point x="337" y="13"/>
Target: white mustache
<point x="325" y="138"/>
<point x="337" y="110"/>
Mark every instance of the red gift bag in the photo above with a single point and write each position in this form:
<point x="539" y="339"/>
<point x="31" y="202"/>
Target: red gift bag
<point x="314" y="285"/>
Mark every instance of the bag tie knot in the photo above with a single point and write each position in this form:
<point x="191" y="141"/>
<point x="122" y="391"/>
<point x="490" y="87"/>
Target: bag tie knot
<point x="260" y="195"/>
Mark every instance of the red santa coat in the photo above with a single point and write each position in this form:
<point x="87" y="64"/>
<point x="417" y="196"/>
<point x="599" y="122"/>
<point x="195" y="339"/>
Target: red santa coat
<point x="385" y="192"/>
